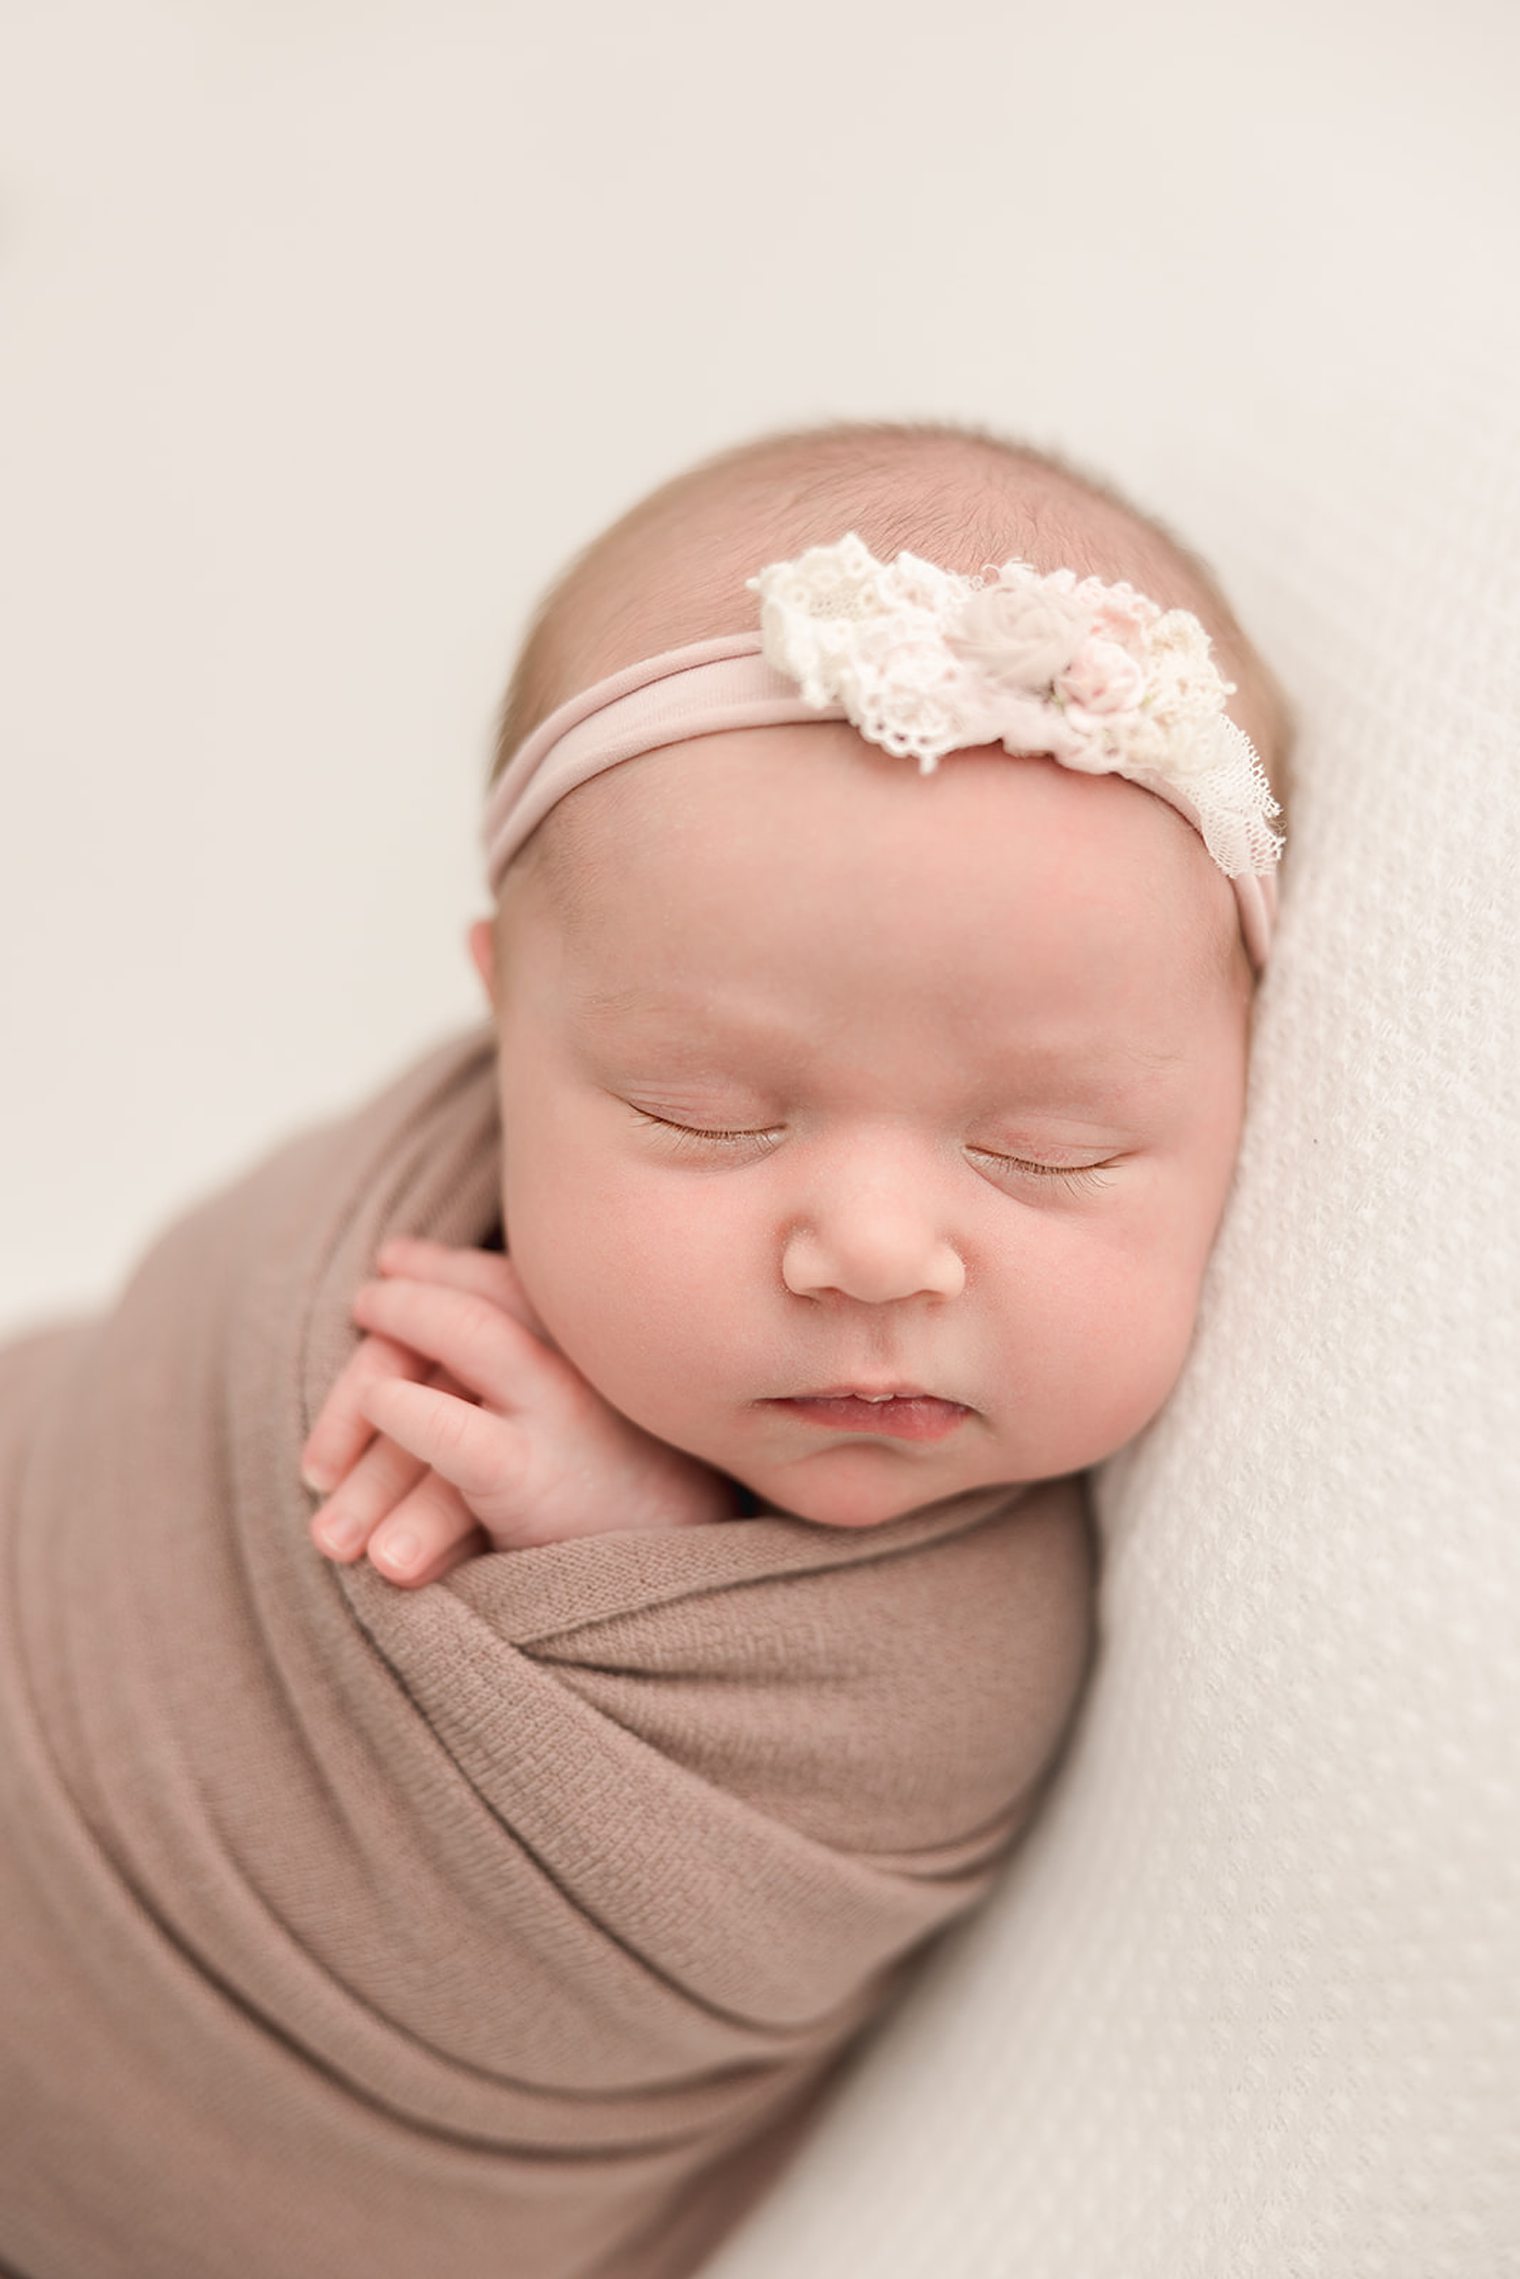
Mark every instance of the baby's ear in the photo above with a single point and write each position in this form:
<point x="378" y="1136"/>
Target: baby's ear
<point x="482" y="947"/>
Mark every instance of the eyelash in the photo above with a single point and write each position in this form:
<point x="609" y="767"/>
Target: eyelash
<point x="1076" y="1179"/>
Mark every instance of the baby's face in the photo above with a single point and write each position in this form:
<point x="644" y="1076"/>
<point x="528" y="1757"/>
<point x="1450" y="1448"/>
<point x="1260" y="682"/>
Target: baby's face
<point x="986" y="1032"/>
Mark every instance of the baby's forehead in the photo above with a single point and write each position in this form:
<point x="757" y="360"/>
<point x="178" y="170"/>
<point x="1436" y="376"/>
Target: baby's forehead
<point x="808" y="851"/>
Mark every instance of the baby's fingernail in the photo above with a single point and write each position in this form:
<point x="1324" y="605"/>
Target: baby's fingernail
<point x="343" y="1536"/>
<point x="318" y="1480"/>
<point x="403" y="1551"/>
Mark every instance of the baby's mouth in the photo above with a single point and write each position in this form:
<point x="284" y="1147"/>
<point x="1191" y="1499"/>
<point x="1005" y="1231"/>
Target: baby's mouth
<point x="898" y="1416"/>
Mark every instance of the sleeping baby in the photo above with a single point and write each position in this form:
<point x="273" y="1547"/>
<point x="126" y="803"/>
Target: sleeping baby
<point x="868" y="1123"/>
<point x="700" y="1362"/>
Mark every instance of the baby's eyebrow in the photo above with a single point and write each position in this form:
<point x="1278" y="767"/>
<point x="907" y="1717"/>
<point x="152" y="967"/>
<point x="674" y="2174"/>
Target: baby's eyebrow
<point x="687" y="1019"/>
<point x="1145" y="1058"/>
<point x="694" y="1026"/>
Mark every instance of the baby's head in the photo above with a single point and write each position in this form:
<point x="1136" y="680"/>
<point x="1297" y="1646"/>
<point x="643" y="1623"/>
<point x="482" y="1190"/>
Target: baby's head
<point x="958" y="1058"/>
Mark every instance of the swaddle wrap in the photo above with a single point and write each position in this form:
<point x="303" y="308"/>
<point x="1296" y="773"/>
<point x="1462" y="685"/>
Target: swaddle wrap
<point x="513" y="1926"/>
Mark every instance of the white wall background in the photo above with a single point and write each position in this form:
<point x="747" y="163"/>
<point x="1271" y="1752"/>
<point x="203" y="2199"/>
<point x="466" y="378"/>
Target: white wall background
<point x="330" y="329"/>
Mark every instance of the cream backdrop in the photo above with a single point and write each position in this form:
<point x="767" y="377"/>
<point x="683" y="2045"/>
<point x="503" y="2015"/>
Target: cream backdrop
<point x="331" y="330"/>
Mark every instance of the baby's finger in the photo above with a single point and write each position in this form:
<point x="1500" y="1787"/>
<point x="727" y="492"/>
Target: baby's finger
<point x="377" y="1484"/>
<point x="488" y="1273"/>
<point x="477" y="1452"/>
<point x="380" y="1481"/>
<point x="342" y="1432"/>
<point x="430" y="1532"/>
<point x="487" y="1350"/>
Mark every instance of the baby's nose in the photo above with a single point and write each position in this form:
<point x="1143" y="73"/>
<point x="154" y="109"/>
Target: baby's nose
<point x="873" y="1260"/>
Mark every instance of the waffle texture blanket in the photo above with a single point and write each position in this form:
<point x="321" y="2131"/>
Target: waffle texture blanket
<point x="1247" y="2005"/>
<point x="515" y="1925"/>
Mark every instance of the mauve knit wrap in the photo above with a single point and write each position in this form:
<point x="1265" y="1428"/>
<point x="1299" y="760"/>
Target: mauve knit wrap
<point x="511" y="1927"/>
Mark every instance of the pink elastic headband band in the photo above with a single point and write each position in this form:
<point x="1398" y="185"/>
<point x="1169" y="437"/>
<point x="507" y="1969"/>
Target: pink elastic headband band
<point x="700" y="690"/>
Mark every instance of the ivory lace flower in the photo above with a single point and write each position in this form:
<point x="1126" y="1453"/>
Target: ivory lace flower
<point x="926" y="661"/>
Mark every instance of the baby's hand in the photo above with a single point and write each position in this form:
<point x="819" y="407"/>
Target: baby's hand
<point x="506" y="1445"/>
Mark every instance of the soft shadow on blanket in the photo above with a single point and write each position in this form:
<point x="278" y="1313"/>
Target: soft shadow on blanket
<point x="514" y="1925"/>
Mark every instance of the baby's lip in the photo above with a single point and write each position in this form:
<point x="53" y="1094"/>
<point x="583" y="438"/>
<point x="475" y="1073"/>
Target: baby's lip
<point x="871" y="1393"/>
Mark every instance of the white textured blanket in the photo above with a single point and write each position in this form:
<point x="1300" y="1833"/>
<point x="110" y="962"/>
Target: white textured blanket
<point x="1247" y="2003"/>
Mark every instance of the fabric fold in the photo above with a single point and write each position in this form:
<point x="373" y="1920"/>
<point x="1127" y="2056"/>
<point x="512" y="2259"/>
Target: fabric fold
<point x="519" y="1922"/>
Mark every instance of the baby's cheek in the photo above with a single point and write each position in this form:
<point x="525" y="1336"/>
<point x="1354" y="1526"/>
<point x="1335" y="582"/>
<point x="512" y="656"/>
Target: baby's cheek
<point x="1146" y="1331"/>
<point x="551" y="1239"/>
<point x="618" y="1288"/>
<point x="1093" y="1366"/>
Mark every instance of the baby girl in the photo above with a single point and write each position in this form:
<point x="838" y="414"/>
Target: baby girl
<point x="883" y="877"/>
<point x="868" y="1121"/>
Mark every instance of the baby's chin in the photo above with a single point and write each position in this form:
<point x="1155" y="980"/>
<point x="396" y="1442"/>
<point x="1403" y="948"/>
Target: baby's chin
<point x="845" y="1502"/>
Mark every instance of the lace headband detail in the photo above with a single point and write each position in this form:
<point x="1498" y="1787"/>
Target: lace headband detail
<point x="924" y="662"/>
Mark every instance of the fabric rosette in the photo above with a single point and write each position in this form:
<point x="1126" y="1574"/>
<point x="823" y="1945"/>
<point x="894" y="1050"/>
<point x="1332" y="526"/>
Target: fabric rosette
<point x="926" y="661"/>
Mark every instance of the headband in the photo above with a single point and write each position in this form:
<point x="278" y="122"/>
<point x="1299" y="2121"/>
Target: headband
<point x="925" y="661"/>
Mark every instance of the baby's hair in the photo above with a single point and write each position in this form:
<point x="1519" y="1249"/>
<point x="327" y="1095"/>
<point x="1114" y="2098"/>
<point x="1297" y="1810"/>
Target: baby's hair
<point x="671" y="569"/>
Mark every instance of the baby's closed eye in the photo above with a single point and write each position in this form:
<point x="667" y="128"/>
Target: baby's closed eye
<point x="1077" y="1175"/>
